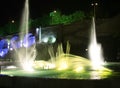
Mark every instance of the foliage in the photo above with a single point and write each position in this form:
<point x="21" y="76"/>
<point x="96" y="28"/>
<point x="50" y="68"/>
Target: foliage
<point x="58" y="18"/>
<point x="53" y="18"/>
<point x="41" y="21"/>
<point x="78" y="15"/>
<point x="9" y="28"/>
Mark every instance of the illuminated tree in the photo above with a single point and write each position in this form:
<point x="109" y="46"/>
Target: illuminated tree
<point x="77" y="16"/>
<point x="58" y="18"/>
<point x="66" y="19"/>
<point x="55" y="17"/>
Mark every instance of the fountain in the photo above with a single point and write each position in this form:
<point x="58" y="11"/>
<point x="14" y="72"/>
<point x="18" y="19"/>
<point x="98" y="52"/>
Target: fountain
<point x="61" y="70"/>
<point x="61" y="64"/>
<point x="26" y="55"/>
<point x="95" y="50"/>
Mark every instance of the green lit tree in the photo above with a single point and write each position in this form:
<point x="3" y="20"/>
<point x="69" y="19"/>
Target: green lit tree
<point x="78" y="16"/>
<point x="66" y="19"/>
<point x="55" y="17"/>
<point x="58" y="18"/>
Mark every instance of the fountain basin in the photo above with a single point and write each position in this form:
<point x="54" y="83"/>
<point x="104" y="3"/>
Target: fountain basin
<point x="80" y="72"/>
<point x="46" y="82"/>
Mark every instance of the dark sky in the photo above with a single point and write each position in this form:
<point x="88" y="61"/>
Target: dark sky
<point x="12" y="9"/>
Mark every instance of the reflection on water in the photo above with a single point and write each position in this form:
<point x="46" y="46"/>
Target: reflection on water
<point x="60" y="74"/>
<point x="62" y="66"/>
<point x="95" y="75"/>
<point x="100" y="74"/>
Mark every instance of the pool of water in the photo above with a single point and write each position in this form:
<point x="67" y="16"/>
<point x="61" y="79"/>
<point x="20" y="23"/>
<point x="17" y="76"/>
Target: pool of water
<point x="113" y="71"/>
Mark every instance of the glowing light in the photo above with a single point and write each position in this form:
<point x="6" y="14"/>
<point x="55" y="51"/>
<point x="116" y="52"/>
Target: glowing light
<point x="11" y="67"/>
<point x="28" y="40"/>
<point x="37" y="31"/>
<point x="54" y="11"/>
<point x="43" y="65"/>
<point x="94" y="4"/>
<point x="53" y="39"/>
<point x="8" y="45"/>
<point x="13" y="21"/>
<point x="49" y="39"/>
<point x="3" y="52"/>
<point x="3" y="47"/>
<point x="14" y="42"/>
<point x="45" y="39"/>
<point x="63" y="65"/>
<point x="95" y="50"/>
<point x="26" y="58"/>
<point x="28" y="67"/>
<point x="79" y="69"/>
<point x="62" y="61"/>
<point x="11" y="49"/>
<point x="21" y="43"/>
<point x="102" y="73"/>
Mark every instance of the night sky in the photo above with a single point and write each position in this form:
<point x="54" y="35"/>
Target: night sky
<point x="12" y="9"/>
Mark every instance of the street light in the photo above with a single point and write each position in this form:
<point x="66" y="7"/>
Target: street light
<point x="13" y="21"/>
<point x="54" y="11"/>
<point x="94" y="5"/>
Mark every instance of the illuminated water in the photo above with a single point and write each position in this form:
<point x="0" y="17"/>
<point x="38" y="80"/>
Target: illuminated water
<point x="95" y="50"/>
<point x="61" y="64"/>
<point x="25" y="55"/>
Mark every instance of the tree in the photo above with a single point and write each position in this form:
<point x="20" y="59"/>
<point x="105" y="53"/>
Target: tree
<point x="77" y="16"/>
<point x="55" y="17"/>
<point x="58" y="18"/>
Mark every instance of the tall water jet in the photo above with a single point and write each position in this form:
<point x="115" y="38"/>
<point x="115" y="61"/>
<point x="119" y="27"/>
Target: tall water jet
<point x="95" y="50"/>
<point x="25" y="20"/>
<point x="25" y="55"/>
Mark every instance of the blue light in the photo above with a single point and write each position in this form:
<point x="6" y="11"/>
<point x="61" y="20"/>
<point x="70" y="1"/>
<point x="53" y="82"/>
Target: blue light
<point x="29" y="40"/>
<point x="14" y="42"/>
<point x="3" y="52"/>
<point x="3" y="47"/>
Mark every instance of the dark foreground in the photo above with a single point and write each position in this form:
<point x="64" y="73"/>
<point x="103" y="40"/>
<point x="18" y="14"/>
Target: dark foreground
<point x="30" y="82"/>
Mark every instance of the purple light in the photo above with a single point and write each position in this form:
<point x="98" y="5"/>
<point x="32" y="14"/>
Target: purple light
<point x="29" y="40"/>
<point x="3" y="47"/>
<point x="15" y="43"/>
<point x="3" y="52"/>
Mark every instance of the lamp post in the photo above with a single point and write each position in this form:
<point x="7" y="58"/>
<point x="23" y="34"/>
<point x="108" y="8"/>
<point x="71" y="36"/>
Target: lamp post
<point x="94" y="6"/>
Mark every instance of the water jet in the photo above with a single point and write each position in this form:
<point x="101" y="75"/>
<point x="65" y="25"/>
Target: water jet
<point x="61" y="65"/>
<point x="95" y="49"/>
